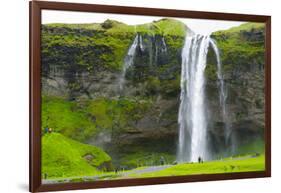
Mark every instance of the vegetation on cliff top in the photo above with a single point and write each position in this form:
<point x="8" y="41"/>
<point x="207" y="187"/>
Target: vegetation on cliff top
<point x="94" y="47"/>
<point x="64" y="157"/>
<point x="249" y="26"/>
<point x="241" y="48"/>
<point x="166" y="26"/>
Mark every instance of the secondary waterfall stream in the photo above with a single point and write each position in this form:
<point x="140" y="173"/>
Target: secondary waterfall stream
<point x="131" y="54"/>
<point x="222" y="98"/>
<point x="192" y="116"/>
<point x="128" y="61"/>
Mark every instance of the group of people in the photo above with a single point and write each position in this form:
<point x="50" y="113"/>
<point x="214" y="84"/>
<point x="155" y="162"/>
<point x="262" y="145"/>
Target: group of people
<point x="48" y="130"/>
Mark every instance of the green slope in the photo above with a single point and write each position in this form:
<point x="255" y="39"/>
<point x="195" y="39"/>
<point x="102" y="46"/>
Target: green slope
<point x="64" y="157"/>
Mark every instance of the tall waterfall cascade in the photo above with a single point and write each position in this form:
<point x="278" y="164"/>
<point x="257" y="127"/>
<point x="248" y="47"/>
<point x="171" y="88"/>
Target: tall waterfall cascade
<point x="192" y="115"/>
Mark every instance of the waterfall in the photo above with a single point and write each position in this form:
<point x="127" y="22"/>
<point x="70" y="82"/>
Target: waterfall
<point x="222" y="95"/>
<point x="192" y="111"/>
<point x="130" y="56"/>
<point x="128" y="61"/>
<point x="164" y="48"/>
<point x="141" y="43"/>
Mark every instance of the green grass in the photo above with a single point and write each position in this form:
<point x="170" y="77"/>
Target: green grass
<point x="63" y="157"/>
<point x="242" y="164"/>
<point x="227" y="165"/>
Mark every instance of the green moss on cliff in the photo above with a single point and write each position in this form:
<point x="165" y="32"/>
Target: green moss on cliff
<point x="84" y="119"/>
<point x="66" y="117"/>
<point x="92" y="47"/>
<point x="116" y="114"/>
<point x="241" y="49"/>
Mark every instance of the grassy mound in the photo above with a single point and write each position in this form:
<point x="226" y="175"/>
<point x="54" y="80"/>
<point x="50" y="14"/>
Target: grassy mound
<point x="64" y="157"/>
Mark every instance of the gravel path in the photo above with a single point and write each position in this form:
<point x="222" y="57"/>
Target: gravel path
<point x="146" y="170"/>
<point x="120" y="175"/>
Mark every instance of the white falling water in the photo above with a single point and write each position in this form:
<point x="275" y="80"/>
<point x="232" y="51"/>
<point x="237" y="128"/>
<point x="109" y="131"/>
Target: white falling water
<point x="222" y="94"/>
<point x="223" y="97"/>
<point x="129" y="59"/>
<point x="192" y="111"/>
<point x="164" y="47"/>
<point x="141" y="43"/>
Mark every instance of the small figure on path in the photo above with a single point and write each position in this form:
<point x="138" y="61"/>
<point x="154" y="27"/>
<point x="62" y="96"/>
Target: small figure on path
<point x="200" y="160"/>
<point x="162" y="160"/>
<point x="116" y="170"/>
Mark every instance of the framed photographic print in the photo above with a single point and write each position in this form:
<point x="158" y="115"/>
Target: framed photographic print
<point x="123" y="96"/>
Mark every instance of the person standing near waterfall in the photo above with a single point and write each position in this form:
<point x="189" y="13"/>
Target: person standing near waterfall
<point x="200" y="160"/>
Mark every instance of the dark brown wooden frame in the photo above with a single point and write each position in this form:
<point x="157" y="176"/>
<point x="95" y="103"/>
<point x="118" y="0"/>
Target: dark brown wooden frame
<point x="35" y="8"/>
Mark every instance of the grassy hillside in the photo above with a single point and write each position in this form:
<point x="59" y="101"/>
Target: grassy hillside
<point x="63" y="157"/>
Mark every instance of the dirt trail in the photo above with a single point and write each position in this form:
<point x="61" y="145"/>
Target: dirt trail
<point x="119" y="175"/>
<point x="145" y="170"/>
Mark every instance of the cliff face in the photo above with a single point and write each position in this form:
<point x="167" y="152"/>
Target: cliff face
<point x="81" y="70"/>
<point x="83" y="65"/>
<point x="242" y="55"/>
<point x="86" y="60"/>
